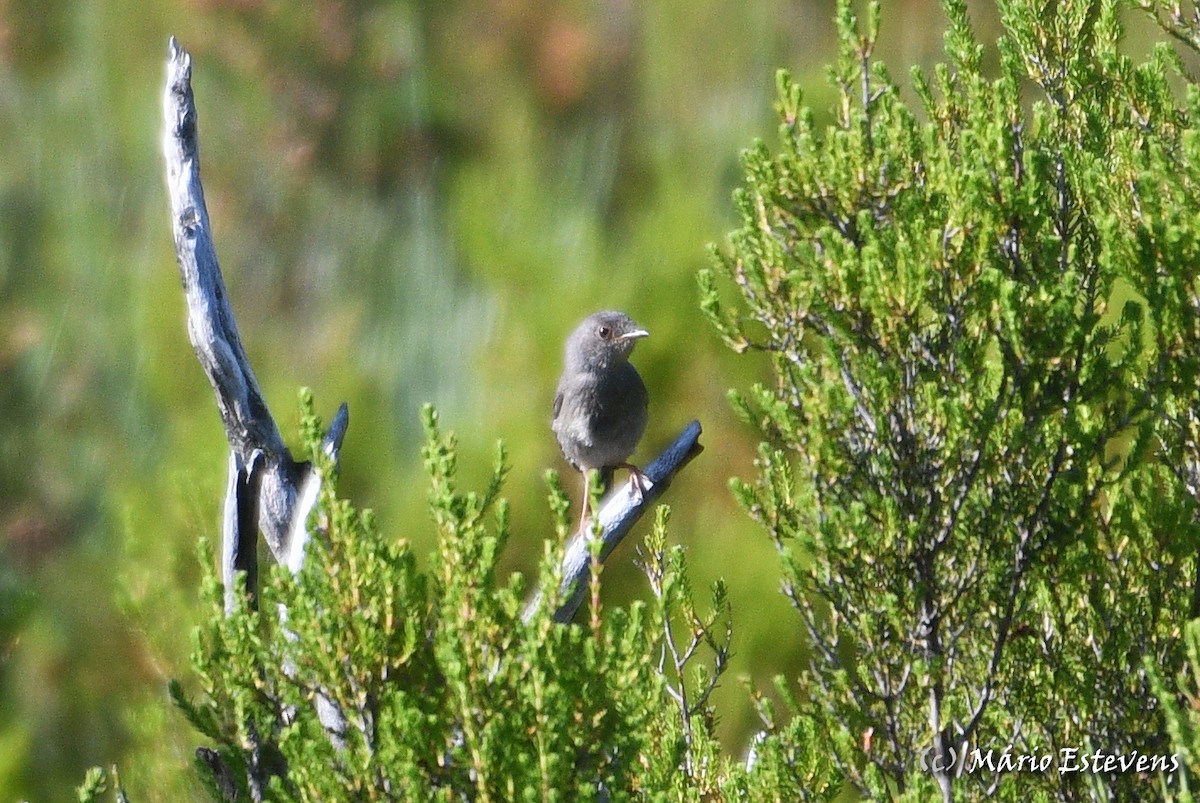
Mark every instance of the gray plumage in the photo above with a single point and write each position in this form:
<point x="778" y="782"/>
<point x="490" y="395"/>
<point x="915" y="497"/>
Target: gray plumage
<point x="600" y="410"/>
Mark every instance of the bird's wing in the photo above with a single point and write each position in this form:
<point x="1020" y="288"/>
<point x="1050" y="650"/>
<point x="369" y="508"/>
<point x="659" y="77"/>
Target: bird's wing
<point x="557" y="405"/>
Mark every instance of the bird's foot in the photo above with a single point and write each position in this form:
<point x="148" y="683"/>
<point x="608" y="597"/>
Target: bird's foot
<point x="638" y="481"/>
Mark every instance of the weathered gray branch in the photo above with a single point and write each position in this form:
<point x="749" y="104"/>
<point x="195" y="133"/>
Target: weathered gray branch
<point x="268" y="490"/>
<point x="251" y="430"/>
<point x="239" y="530"/>
<point x="617" y="517"/>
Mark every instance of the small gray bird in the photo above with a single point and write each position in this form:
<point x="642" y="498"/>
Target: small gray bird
<point x="600" y="409"/>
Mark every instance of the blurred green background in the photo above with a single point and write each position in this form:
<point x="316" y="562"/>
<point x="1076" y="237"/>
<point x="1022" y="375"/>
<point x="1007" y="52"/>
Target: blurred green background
<point x="411" y="202"/>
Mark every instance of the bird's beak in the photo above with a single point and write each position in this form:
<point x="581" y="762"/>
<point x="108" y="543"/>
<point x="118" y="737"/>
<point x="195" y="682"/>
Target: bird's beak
<point x="636" y="334"/>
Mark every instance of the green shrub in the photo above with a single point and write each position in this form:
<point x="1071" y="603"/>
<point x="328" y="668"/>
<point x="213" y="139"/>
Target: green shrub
<point x="981" y="314"/>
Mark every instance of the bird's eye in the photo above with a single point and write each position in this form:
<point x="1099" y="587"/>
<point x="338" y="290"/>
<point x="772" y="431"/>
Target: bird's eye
<point x="604" y="332"/>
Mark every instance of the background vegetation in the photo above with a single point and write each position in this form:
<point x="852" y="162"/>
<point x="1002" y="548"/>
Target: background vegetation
<point x="412" y="202"/>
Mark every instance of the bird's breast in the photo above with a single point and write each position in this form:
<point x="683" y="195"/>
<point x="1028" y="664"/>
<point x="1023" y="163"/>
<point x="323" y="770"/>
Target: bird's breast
<point x="601" y="417"/>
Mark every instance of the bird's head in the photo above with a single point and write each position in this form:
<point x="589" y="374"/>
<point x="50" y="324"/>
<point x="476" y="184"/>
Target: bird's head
<point x="604" y="338"/>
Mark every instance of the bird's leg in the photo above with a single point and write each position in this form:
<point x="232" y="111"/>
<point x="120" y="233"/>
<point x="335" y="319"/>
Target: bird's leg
<point x="587" y="499"/>
<point x="637" y="480"/>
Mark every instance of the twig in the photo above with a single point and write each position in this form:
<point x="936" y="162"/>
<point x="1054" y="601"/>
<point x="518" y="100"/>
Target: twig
<point x="617" y="517"/>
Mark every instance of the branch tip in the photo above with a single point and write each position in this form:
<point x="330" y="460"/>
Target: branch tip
<point x="332" y="442"/>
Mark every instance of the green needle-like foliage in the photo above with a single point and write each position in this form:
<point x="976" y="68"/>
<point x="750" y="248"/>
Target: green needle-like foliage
<point x="445" y="691"/>
<point x="979" y="449"/>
